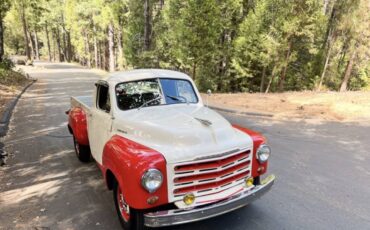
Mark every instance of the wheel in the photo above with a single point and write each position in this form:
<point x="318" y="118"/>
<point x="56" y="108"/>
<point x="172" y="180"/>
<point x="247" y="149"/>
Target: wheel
<point x="130" y="218"/>
<point x="82" y="151"/>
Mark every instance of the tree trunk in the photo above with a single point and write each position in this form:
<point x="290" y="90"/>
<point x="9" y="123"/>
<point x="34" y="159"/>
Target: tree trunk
<point x="147" y="26"/>
<point x="194" y="70"/>
<point x="121" y="61"/>
<point x="161" y="4"/>
<point x="57" y="35"/>
<point x="347" y="73"/>
<point x="262" y="86"/>
<point x="1" y="38"/>
<point x="283" y="75"/>
<point x="48" y="40"/>
<point x="325" y="67"/>
<point x="69" y="47"/>
<point x="96" y="55"/>
<point x="269" y="84"/>
<point x="64" y="45"/>
<point x="36" y="46"/>
<point x="111" y="47"/>
<point x="100" y="55"/>
<point x="31" y="42"/>
<point x="325" y="6"/>
<point x="87" y="51"/>
<point x="54" y="45"/>
<point x="25" y="34"/>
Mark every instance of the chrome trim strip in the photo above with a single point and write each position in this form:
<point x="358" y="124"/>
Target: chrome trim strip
<point x="182" y="216"/>
<point x="219" y="155"/>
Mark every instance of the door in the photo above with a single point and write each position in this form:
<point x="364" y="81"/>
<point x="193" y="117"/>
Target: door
<point x="100" y="121"/>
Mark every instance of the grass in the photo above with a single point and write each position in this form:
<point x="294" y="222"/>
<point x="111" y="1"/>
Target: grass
<point x="12" y="78"/>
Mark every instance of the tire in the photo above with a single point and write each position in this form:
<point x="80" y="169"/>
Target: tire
<point x="82" y="151"/>
<point x="130" y="220"/>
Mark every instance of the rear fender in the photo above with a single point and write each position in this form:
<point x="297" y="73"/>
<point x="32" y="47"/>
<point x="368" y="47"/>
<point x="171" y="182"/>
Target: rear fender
<point x="128" y="161"/>
<point x="77" y="123"/>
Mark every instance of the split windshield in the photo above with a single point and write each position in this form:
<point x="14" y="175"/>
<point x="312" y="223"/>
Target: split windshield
<point x="152" y="92"/>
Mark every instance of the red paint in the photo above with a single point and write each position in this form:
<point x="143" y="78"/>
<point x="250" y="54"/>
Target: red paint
<point x="210" y="185"/>
<point x="128" y="160"/>
<point x="258" y="139"/>
<point x="211" y="164"/>
<point x="78" y="123"/>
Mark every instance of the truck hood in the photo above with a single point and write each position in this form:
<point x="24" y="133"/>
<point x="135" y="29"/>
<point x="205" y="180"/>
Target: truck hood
<point x="181" y="132"/>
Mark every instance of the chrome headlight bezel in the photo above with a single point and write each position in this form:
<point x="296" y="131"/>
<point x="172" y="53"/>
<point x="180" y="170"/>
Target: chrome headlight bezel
<point x="152" y="180"/>
<point x="263" y="153"/>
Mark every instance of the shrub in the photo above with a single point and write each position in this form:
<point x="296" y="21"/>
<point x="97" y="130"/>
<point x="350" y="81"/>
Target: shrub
<point x="6" y="64"/>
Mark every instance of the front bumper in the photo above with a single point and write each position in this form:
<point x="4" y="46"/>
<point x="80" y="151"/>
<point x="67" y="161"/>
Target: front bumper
<point x="182" y="216"/>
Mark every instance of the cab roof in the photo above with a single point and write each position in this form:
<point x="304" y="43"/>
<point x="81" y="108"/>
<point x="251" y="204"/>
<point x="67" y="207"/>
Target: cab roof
<point x="138" y="74"/>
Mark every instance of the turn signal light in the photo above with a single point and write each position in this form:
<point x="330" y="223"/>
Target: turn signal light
<point x="152" y="199"/>
<point x="189" y="199"/>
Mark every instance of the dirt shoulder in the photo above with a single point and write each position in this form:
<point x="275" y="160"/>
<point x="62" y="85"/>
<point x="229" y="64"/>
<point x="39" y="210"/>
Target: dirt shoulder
<point x="348" y="106"/>
<point x="11" y="85"/>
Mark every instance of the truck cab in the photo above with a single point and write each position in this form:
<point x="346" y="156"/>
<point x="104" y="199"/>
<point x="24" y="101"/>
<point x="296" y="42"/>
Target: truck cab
<point x="168" y="158"/>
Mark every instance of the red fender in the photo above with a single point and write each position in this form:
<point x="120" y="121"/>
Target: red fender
<point x="128" y="160"/>
<point x="258" y="139"/>
<point x="78" y="124"/>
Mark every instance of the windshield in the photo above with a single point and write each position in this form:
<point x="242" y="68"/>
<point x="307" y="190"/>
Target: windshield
<point x="152" y="92"/>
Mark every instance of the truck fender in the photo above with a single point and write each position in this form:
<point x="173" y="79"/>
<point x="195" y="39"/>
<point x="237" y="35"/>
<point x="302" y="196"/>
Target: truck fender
<point x="257" y="168"/>
<point x="128" y="161"/>
<point x="77" y="124"/>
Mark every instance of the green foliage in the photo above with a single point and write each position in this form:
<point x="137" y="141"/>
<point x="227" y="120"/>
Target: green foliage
<point x="226" y="46"/>
<point x="6" y="64"/>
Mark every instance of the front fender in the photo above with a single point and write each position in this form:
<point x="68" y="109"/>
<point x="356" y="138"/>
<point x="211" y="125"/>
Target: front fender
<point x="257" y="168"/>
<point x="128" y="160"/>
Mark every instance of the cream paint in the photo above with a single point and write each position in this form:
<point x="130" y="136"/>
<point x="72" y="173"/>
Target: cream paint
<point x="172" y="130"/>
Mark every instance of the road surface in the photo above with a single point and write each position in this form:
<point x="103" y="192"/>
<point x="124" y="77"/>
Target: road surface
<point x="322" y="168"/>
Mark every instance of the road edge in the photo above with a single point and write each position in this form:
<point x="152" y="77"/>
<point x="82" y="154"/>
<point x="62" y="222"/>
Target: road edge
<point x="5" y="118"/>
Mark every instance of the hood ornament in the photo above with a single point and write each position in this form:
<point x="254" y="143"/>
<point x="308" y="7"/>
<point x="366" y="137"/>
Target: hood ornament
<point x="203" y="121"/>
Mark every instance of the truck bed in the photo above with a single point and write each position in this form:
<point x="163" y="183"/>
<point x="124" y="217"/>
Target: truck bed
<point x="85" y="102"/>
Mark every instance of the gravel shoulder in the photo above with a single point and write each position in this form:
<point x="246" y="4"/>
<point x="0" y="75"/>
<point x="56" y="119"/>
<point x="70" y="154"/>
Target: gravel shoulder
<point x="327" y="106"/>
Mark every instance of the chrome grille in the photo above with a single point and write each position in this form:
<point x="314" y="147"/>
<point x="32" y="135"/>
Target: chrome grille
<point x="211" y="175"/>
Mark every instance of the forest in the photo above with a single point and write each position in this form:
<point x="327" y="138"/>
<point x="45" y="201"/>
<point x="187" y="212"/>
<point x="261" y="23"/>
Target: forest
<point x="226" y="46"/>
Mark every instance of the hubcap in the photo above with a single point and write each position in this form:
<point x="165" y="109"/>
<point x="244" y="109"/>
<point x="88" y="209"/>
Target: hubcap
<point x="123" y="206"/>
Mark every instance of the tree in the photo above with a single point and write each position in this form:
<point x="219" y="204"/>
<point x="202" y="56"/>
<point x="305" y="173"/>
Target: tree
<point x="227" y="46"/>
<point x="195" y="30"/>
<point x="4" y="7"/>
<point x="356" y="26"/>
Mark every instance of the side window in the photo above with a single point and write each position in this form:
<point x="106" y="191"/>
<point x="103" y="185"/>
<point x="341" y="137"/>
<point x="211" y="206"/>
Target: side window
<point x="103" y="100"/>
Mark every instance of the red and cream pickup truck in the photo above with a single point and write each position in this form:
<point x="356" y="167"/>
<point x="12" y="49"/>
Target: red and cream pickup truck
<point x="168" y="158"/>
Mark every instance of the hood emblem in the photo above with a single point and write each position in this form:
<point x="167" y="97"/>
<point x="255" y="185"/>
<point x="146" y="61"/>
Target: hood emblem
<point x="203" y="122"/>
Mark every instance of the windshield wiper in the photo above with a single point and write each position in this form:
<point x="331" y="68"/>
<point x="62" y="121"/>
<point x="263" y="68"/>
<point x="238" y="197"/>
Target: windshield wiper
<point x="179" y="98"/>
<point x="159" y="97"/>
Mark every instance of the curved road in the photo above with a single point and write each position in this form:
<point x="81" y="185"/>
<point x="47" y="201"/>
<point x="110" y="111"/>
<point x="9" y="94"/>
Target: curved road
<point x="323" y="169"/>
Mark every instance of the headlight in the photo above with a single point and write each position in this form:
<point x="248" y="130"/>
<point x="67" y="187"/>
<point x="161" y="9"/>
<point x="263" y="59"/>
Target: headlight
<point x="152" y="180"/>
<point x="263" y="153"/>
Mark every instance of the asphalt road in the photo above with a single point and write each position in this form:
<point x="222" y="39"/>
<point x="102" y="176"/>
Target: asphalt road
<point x="322" y="168"/>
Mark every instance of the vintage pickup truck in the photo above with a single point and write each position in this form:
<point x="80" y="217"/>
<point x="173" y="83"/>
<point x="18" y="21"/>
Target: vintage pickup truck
<point x="168" y="158"/>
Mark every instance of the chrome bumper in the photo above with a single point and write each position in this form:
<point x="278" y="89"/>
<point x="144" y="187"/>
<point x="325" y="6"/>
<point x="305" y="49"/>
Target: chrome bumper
<point x="182" y="216"/>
